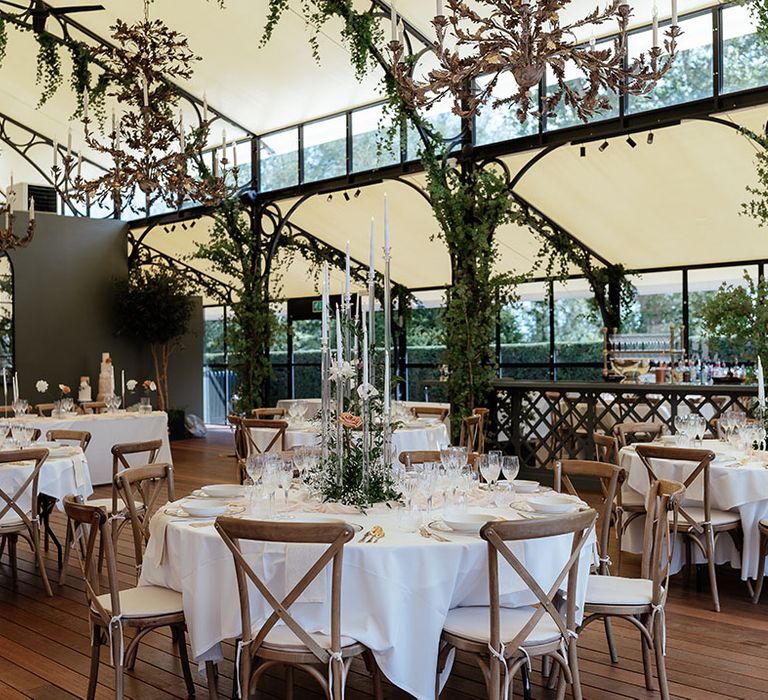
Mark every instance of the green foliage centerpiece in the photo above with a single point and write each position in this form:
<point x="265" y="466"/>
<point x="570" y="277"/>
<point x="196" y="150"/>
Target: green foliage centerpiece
<point x="355" y="467"/>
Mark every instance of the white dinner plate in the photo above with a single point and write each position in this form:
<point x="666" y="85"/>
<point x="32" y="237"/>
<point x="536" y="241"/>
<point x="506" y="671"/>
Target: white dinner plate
<point x="469" y="522"/>
<point x="223" y="490"/>
<point x="553" y="503"/>
<point x="203" y="509"/>
<point x="523" y="486"/>
<point x="321" y="518"/>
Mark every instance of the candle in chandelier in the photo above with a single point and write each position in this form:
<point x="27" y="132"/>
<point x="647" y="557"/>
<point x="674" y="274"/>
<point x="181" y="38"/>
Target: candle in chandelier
<point x="674" y="13"/>
<point x="31" y="208"/>
<point x="223" y="144"/>
<point x="69" y="143"/>
<point x="339" y="356"/>
<point x="347" y="282"/>
<point x="365" y="355"/>
<point x="655" y="26"/>
<point x="79" y="164"/>
<point x="438" y="8"/>
<point x="760" y="383"/>
<point x="86" y="101"/>
<point x="182" y="135"/>
<point x="386" y="226"/>
<point x="393" y="19"/>
<point x="205" y="107"/>
<point x="55" y="154"/>
<point x="592" y="40"/>
<point x="145" y="90"/>
<point x="114" y="121"/>
<point x="234" y="154"/>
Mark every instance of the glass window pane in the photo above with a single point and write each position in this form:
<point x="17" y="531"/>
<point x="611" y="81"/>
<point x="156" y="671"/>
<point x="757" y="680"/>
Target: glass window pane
<point x="745" y="63"/>
<point x="565" y="115"/>
<point x="502" y="124"/>
<point x="442" y="118"/>
<point x="279" y="160"/>
<point x="578" y="330"/>
<point x="371" y="143"/>
<point x="325" y="149"/>
<point x="702" y="285"/>
<point x="690" y="77"/>
<point x="525" y="333"/>
<point x="657" y="305"/>
<point x="425" y="348"/>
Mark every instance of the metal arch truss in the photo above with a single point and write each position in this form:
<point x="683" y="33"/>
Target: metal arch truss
<point x="26" y="143"/>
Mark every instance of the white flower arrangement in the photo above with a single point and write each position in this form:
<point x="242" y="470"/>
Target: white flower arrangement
<point x="41" y="385"/>
<point x="131" y="384"/>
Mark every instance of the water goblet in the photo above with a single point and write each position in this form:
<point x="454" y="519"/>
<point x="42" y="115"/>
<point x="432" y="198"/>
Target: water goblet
<point x="270" y="479"/>
<point x="494" y="467"/>
<point x="285" y="477"/>
<point x="511" y="467"/>
<point x="428" y="485"/>
<point x="504" y="494"/>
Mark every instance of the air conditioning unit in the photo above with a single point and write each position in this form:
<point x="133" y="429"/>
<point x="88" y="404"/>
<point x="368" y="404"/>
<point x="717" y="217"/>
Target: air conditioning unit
<point x="45" y="197"/>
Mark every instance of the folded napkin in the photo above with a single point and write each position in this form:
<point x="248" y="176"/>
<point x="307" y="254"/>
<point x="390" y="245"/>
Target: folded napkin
<point x="299" y="558"/>
<point x="158" y="527"/>
<point x="78" y="465"/>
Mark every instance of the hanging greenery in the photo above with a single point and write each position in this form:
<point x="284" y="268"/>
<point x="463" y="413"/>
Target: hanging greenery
<point x="48" y="74"/>
<point x="3" y="39"/>
<point x="759" y="11"/>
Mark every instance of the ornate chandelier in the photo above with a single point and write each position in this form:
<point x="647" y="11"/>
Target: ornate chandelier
<point x="475" y="48"/>
<point x="8" y="237"/>
<point x="147" y="144"/>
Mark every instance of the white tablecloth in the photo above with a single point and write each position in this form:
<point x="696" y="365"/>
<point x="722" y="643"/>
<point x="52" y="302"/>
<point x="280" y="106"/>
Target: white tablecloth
<point x="107" y="430"/>
<point x="734" y="485"/>
<point x="64" y="472"/>
<point x="396" y="593"/>
<point x="428" y="437"/>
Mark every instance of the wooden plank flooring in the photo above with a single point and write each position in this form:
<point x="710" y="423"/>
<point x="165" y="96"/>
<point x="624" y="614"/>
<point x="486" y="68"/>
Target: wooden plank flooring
<point x="44" y="642"/>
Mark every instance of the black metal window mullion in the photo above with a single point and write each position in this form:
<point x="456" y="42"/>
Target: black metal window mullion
<point x="552" y="373"/>
<point x="686" y="314"/>
<point x="301" y="153"/>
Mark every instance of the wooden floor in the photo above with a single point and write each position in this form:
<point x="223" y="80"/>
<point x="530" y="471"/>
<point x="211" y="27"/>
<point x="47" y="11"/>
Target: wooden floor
<point x="44" y="641"/>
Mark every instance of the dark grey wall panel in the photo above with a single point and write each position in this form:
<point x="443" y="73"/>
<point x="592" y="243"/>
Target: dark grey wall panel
<point x="63" y="291"/>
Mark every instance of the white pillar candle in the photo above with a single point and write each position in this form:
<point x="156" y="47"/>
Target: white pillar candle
<point x="760" y="383"/>
<point x="347" y="282"/>
<point x="339" y="356"/>
<point x="31" y="208"/>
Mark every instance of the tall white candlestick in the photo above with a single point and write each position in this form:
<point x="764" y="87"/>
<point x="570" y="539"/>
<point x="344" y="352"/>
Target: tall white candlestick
<point x="438" y="8"/>
<point x="386" y="226"/>
<point x="122" y="386"/>
<point x="655" y="26"/>
<point x="674" y="12"/>
<point x="760" y="383"/>
<point x="347" y="282"/>
<point x="31" y="208"/>
<point x="372" y="254"/>
<point x="393" y="19"/>
<point x="387" y="381"/>
<point x="365" y="355"/>
<point x="339" y="356"/>
<point x="5" y="386"/>
<point x="325" y="305"/>
<point x="15" y="386"/>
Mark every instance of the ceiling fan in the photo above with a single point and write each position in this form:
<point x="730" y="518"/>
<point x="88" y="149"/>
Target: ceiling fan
<point x="40" y="11"/>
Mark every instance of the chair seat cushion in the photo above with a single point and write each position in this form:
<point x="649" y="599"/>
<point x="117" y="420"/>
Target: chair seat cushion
<point x="282" y="637"/>
<point x="616" y="590"/>
<point x="145" y="601"/>
<point x="106" y="503"/>
<point x="719" y="517"/>
<point x="474" y="623"/>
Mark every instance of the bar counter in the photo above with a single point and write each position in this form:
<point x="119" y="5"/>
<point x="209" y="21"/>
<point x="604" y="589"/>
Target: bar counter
<point x="541" y="421"/>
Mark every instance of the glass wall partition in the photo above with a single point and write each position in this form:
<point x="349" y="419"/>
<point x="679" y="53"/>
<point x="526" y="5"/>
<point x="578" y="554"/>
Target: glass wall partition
<point x="374" y="143"/>
<point x="325" y="148"/>
<point x="524" y="334"/>
<point x="218" y="380"/>
<point x="578" y="330"/>
<point x="279" y="160"/>
<point x="745" y="62"/>
<point x="425" y="345"/>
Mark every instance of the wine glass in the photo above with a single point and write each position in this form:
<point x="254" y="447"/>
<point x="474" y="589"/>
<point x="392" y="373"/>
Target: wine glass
<point x="511" y="467"/>
<point x="270" y="480"/>
<point x="285" y="477"/>
<point x="485" y="469"/>
<point x="494" y="467"/>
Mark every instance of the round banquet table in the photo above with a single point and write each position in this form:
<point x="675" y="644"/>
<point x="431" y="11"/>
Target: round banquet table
<point x="737" y="483"/>
<point x="64" y="472"/>
<point x="109" y="429"/>
<point x="396" y="593"/>
<point x="419" y="435"/>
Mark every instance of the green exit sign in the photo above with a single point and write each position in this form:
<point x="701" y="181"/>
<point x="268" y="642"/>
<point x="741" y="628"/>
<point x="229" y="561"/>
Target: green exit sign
<point x="317" y="306"/>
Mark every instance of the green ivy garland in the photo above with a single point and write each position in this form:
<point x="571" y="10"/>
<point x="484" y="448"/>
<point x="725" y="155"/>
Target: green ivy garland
<point x="48" y="74"/>
<point x="3" y="39"/>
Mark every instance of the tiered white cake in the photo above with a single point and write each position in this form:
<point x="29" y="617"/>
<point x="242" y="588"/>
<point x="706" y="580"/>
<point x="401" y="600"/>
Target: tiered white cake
<point x="106" y="377"/>
<point x="84" y="391"/>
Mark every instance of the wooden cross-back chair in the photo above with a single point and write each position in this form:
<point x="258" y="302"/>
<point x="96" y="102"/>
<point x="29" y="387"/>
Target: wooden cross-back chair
<point x="34" y="437"/>
<point x="629" y="505"/>
<point x="762" y="528"/>
<point x="700" y="525"/>
<point x="409" y="458"/>
<point x="17" y="519"/>
<point x="419" y="411"/>
<point x="515" y="635"/>
<point x="81" y="437"/>
<point x="471" y="434"/>
<point x="289" y="643"/>
<point x="485" y="414"/>
<point x="273" y="413"/>
<point x="641" y="601"/>
<point x="114" y="506"/>
<point x="6" y="411"/>
<point x="143" y="490"/>
<point x="631" y="433"/>
<point x="88" y="407"/>
<point x="112" y="611"/>
<point x="44" y="409"/>
<point x="276" y="429"/>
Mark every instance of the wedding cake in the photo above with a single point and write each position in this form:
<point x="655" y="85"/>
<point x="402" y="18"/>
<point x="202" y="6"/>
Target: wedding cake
<point x="106" y="377"/>
<point x="84" y="392"/>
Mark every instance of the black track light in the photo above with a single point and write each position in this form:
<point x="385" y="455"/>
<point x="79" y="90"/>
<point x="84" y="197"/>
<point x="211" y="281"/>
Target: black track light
<point x="329" y="198"/>
<point x="357" y="194"/>
<point x="649" y="140"/>
<point x="632" y="143"/>
<point x="603" y="146"/>
<point x="583" y="152"/>
<point x="346" y="196"/>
